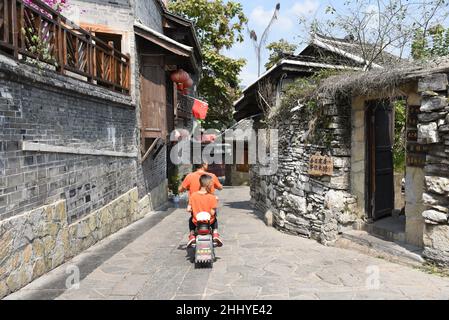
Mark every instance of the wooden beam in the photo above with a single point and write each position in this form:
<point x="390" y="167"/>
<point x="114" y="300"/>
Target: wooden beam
<point x="161" y="43"/>
<point x="150" y="149"/>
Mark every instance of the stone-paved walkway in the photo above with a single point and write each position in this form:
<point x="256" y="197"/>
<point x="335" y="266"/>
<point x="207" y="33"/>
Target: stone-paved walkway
<point x="148" y="261"/>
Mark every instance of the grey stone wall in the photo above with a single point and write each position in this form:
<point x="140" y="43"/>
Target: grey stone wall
<point x="70" y="172"/>
<point x="39" y="106"/>
<point x="149" y="12"/>
<point x="313" y="207"/>
<point x="433" y="131"/>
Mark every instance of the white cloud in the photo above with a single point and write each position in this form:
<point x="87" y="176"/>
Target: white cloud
<point x="306" y="7"/>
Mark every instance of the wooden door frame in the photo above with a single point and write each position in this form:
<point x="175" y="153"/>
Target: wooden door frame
<point x="370" y="155"/>
<point x="370" y="160"/>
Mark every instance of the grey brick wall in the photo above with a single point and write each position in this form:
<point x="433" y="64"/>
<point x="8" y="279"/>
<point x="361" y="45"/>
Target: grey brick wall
<point x="37" y="112"/>
<point x="152" y="172"/>
<point x="148" y="11"/>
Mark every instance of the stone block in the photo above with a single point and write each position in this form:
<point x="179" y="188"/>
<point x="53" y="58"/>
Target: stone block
<point x="39" y="268"/>
<point x="434" y="82"/>
<point x="38" y="248"/>
<point x="49" y="244"/>
<point x="4" y="290"/>
<point x="428" y="133"/>
<point x="428" y="94"/>
<point x="434" y="104"/>
<point x="269" y="218"/>
<point x="434" y="216"/>
<point x="438" y="185"/>
<point x="444" y="128"/>
<point x="432" y="116"/>
<point x="299" y="204"/>
<point x="27" y="254"/>
<point x="340" y="182"/>
<point x="436" y="242"/>
<point x="82" y="230"/>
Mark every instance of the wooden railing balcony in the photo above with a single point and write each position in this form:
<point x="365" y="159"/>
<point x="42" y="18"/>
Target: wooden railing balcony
<point x="184" y="107"/>
<point x="40" y="33"/>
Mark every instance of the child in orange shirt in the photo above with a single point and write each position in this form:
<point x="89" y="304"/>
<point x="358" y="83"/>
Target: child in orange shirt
<point x="192" y="181"/>
<point x="203" y="201"/>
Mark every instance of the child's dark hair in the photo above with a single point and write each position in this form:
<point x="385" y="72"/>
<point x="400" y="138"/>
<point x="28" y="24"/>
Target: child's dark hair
<point x="199" y="166"/>
<point x="205" y="180"/>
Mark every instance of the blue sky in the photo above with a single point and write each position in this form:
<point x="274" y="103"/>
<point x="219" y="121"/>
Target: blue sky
<point x="287" y="27"/>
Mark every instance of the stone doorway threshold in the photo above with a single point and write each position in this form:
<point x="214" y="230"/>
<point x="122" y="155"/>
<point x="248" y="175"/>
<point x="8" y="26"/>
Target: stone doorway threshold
<point x="389" y="229"/>
<point x="383" y="239"/>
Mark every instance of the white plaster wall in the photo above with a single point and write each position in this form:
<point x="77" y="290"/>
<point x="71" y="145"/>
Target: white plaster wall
<point x="414" y="189"/>
<point x="358" y="146"/>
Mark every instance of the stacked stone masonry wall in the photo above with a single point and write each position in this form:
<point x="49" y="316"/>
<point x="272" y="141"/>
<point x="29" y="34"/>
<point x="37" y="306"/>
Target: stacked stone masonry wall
<point x="313" y="207"/>
<point x="433" y="131"/>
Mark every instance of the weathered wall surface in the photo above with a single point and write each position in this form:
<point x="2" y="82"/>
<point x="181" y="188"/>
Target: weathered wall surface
<point x="313" y="207"/>
<point x="38" y="241"/>
<point x="239" y="178"/>
<point x="149" y="12"/>
<point x="35" y="113"/>
<point x="433" y="130"/>
<point x="69" y="170"/>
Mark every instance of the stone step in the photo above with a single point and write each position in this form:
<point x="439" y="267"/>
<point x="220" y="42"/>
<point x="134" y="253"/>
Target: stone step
<point x="389" y="229"/>
<point x="371" y="245"/>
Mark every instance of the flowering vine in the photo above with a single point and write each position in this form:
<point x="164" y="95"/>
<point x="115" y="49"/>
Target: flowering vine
<point x="57" y="5"/>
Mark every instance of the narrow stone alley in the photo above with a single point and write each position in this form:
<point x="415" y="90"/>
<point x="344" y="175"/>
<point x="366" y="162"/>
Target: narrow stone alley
<point x="148" y="260"/>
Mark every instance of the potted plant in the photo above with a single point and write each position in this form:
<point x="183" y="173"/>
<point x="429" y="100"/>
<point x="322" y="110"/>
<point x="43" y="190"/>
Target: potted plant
<point x="173" y="185"/>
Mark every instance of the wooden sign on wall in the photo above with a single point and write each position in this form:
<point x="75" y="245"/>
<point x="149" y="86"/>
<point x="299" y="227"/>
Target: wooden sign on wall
<point x="412" y="116"/>
<point x="321" y="166"/>
<point x="416" y="153"/>
<point x="416" y="159"/>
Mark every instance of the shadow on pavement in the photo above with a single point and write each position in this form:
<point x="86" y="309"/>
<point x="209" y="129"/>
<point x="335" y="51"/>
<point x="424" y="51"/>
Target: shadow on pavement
<point x="245" y="205"/>
<point x="93" y="260"/>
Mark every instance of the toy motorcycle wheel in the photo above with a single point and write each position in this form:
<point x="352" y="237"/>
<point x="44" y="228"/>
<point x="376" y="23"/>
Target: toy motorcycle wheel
<point x="204" y="265"/>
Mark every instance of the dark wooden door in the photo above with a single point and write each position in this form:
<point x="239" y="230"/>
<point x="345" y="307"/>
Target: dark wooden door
<point x="380" y="159"/>
<point x="153" y="98"/>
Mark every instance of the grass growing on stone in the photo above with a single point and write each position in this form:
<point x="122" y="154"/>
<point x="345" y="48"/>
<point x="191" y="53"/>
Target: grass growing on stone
<point x="434" y="269"/>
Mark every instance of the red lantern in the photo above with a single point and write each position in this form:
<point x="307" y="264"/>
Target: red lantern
<point x="182" y="79"/>
<point x="184" y="76"/>
<point x="188" y="83"/>
<point x="180" y="86"/>
<point x="176" y="76"/>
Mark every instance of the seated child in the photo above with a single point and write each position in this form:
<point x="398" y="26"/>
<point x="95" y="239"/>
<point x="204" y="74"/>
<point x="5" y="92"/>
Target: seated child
<point x="203" y="201"/>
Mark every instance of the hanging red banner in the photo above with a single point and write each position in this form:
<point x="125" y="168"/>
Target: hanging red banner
<point x="199" y="109"/>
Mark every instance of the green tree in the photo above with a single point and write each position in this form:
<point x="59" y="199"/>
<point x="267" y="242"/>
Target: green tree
<point x="219" y="25"/>
<point x="277" y="51"/>
<point x="400" y="120"/>
<point x="433" y="44"/>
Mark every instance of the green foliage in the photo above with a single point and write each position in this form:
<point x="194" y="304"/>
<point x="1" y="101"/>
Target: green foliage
<point x="399" y="135"/>
<point x="220" y="87"/>
<point x="219" y="26"/>
<point x="434" y="43"/>
<point x="277" y="50"/>
<point x="174" y="182"/>
<point x="302" y="92"/>
<point x="39" y="47"/>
